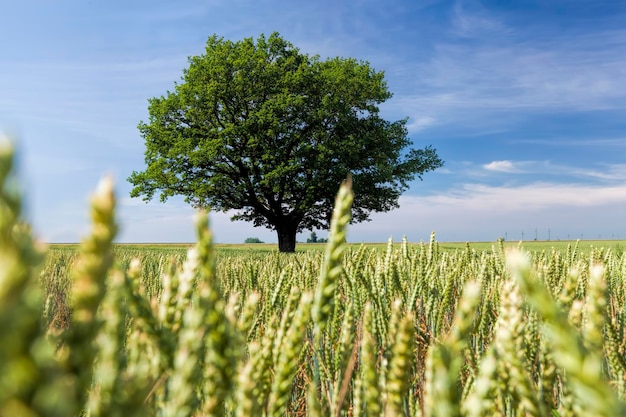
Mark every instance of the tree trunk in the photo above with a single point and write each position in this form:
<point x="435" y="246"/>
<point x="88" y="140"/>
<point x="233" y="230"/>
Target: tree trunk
<point x="286" y="237"/>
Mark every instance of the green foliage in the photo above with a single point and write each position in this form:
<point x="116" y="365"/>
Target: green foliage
<point x="264" y="129"/>
<point x="315" y="239"/>
<point x="253" y="240"/>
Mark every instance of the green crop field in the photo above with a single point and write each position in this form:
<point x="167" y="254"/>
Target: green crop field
<point x="402" y="329"/>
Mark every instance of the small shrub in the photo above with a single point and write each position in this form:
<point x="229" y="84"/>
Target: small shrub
<point x="253" y="240"/>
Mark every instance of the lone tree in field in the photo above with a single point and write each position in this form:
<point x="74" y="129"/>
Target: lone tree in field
<point x="263" y="129"/>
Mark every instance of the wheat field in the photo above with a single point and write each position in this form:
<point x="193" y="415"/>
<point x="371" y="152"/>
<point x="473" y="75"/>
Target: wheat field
<point x="407" y="330"/>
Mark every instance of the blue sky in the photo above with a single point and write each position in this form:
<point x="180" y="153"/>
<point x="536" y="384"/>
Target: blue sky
<point x="524" y="100"/>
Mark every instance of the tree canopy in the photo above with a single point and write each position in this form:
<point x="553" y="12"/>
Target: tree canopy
<point x="258" y="127"/>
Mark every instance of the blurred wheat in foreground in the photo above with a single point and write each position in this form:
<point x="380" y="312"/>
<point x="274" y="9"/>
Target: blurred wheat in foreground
<point x="409" y="331"/>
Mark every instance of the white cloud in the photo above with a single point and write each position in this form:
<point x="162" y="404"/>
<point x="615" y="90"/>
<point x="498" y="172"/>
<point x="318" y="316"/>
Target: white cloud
<point x="420" y="123"/>
<point x="502" y="166"/>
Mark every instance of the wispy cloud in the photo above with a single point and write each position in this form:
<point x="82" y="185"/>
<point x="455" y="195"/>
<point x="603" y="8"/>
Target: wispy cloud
<point x="570" y="142"/>
<point x="470" y="19"/>
<point x="525" y="77"/>
<point x="614" y="172"/>
<point x="502" y="166"/>
<point x="169" y="12"/>
<point x="420" y="123"/>
<point x="592" y="173"/>
<point x="531" y="196"/>
<point x="506" y="74"/>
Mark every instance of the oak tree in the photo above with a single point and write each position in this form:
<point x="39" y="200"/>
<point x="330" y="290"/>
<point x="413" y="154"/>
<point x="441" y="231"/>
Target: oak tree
<point x="260" y="128"/>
